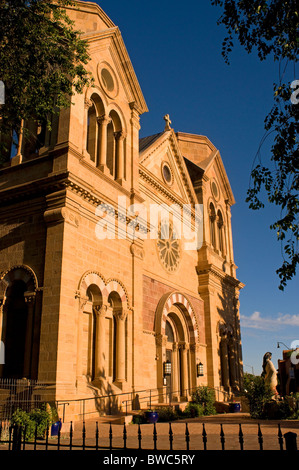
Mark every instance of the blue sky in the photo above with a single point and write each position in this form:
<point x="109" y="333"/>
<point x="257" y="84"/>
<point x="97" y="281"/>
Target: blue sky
<point x="175" y="48"/>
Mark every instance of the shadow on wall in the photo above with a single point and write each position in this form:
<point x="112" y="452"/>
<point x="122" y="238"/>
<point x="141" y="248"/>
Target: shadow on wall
<point x="106" y="401"/>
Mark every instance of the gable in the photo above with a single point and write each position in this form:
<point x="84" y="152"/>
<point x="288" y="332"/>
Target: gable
<point x="88" y="16"/>
<point x="162" y="165"/>
<point x="215" y="171"/>
<point x="106" y="46"/>
<point x="204" y="161"/>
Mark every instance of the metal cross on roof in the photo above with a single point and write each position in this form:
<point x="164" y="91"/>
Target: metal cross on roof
<point x="168" y="122"/>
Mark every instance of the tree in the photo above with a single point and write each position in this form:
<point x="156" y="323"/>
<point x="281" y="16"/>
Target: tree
<point x="271" y="28"/>
<point x="257" y="393"/>
<point x="42" y="64"/>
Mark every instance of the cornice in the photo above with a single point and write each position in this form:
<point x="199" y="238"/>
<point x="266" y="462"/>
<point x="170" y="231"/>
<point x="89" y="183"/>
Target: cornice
<point x="37" y="188"/>
<point x="213" y="271"/>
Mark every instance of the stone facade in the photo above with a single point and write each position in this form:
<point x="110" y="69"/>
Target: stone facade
<point x="95" y="303"/>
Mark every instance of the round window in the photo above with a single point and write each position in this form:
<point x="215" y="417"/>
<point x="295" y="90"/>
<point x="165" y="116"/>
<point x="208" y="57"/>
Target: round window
<point x="169" y="247"/>
<point x="107" y="80"/>
<point x="215" y="190"/>
<point x="166" y="172"/>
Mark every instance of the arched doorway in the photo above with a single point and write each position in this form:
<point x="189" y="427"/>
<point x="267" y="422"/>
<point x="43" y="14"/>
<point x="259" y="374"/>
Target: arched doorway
<point x="15" y="332"/>
<point x="20" y="324"/>
<point x="176" y="336"/>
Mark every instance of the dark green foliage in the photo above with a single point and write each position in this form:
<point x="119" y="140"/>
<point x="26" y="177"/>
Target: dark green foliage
<point x="205" y="397"/>
<point x="36" y="421"/>
<point x="270" y="27"/>
<point x="166" y="414"/>
<point x="42" y="61"/>
<point x="193" y="410"/>
<point x="257" y="393"/>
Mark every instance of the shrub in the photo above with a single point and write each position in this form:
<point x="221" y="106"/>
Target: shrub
<point x="139" y="419"/>
<point x="206" y="398"/>
<point x="22" y="419"/>
<point x="41" y="418"/>
<point x="258" y="393"/>
<point x="167" y="413"/>
<point x="37" y="420"/>
<point x="193" y="410"/>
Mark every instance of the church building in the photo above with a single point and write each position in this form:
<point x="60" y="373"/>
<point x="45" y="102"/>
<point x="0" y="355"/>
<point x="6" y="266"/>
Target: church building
<point x="117" y="271"/>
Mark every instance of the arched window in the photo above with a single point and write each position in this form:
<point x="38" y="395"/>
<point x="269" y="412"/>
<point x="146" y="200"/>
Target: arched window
<point x="111" y="149"/>
<point x="119" y="345"/>
<point x="221" y="238"/>
<point x="95" y="113"/>
<point x="116" y="147"/>
<point x="92" y="132"/>
<point x="95" y="297"/>
<point x="212" y="215"/>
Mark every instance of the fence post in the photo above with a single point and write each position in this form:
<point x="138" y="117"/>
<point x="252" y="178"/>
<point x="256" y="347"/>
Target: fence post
<point x="204" y="436"/>
<point x="155" y="437"/>
<point x="222" y="438"/>
<point x="97" y="436"/>
<point x="139" y="437"/>
<point x="110" y="437"/>
<point x="241" y="439"/>
<point x="291" y="440"/>
<point x="280" y="438"/>
<point x="260" y="437"/>
<point x="170" y="437"/>
<point x="16" y="438"/>
<point x="125" y="436"/>
<point x="187" y="434"/>
<point x="71" y="435"/>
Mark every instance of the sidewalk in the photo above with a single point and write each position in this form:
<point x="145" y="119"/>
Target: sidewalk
<point x="212" y="424"/>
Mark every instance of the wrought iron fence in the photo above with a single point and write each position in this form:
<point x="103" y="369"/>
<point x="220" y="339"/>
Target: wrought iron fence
<point x="14" y="438"/>
<point x="21" y="394"/>
<point x="28" y="394"/>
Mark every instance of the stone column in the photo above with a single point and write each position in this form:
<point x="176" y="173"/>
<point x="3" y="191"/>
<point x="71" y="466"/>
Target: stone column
<point x="2" y="300"/>
<point x="120" y="155"/>
<point x="100" y="312"/>
<point x="232" y="362"/>
<point x="103" y="122"/>
<point x="87" y="105"/>
<point x="2" y="343"/>
<point x="161" y="342"/>
<point x="224" y="362"/>
<point x="184" y="347"/>
<point x="175" y="372"/>
<point x="238" y="349"/>
<point x="120" y="376"/>
<point x="82" y="303"/>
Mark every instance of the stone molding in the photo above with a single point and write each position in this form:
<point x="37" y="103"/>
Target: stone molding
<point x="61" y="214"/>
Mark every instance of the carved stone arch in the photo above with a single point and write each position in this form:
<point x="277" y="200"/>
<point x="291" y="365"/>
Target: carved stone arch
<point x="91" y="278"/>
<point x="182" y="302"/>
<point x="106" y="287"/>
<point x="114" y="109"/>
<point x="97" y="91"/>
<point x="114" y="285"/>
<point x="18" y="273"/>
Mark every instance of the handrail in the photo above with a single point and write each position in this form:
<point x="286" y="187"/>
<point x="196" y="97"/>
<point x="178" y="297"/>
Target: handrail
<point x="148" y="398"/>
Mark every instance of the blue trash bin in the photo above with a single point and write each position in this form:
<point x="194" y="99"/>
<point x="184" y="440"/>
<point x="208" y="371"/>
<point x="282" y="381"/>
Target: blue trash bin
<point x="235" y="407"/>
<point x="55" y="428"/>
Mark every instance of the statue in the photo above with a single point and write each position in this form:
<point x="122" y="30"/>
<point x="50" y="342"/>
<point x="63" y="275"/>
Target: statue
<point x="269" y="373"/>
